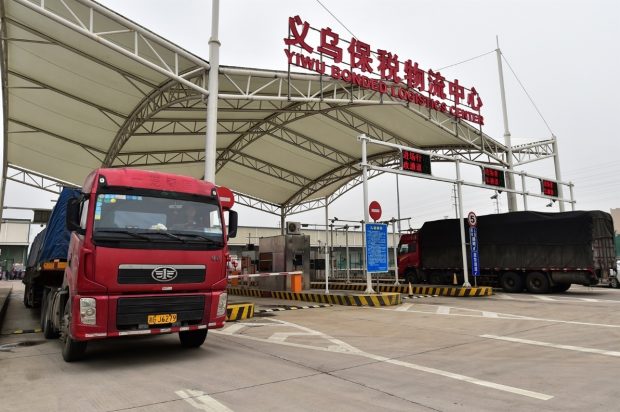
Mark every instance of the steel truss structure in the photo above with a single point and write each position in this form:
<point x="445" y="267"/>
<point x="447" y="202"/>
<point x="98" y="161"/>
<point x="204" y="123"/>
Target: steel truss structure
<point x="33" y="179"/>
<point x="304" y="114"/>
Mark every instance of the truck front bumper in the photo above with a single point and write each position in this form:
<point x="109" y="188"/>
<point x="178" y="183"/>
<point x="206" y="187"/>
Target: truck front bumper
<point x="128" y="315"/>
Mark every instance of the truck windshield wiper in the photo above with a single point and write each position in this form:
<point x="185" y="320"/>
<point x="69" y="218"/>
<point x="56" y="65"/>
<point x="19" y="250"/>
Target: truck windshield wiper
<point x="124" y="232"/>
<point x="167" y="234"/>
<point x="202" y="237"/>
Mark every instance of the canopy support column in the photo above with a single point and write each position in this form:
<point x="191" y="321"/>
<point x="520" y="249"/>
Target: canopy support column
<point x="327" y="257"/>
<point x="214" y="60"/>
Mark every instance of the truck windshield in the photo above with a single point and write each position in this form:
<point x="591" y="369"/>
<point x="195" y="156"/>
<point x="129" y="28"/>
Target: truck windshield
<point x="157" y="217"/>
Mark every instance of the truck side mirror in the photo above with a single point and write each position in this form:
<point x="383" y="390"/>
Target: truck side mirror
<point x="232" y="223"/>
<point x="73" y="216"/>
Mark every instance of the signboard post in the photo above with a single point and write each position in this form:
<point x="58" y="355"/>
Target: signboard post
<point x="473" y="246"/>
<point x="376" y="247"/>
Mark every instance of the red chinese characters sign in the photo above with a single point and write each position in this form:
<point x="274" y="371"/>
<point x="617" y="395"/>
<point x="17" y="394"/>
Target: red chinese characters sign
<point x="416" y="162"/>
<point x="353" y="61"/>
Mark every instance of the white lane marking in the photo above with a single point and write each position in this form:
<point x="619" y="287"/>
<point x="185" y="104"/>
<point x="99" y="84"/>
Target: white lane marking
<point x="233" y="328"/>
<point x="443" y="310"/>
<point x="490" y="315"/>
<point x="588" y="299"/>
<point x="545" y="298"/>
<point x="504" y="296"/>
<point x="344" y="348"/>
<point x="553" y="345"/>
<point x="501" y="316"/>
<point x="404" y="307"/>
<point x="282" y="336"/>
<point x="201" y="401"/>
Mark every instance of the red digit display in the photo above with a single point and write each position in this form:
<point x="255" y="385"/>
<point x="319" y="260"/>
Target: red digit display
<point x="493" y="177"/>
<point x="416" y="162"/>
<point x="549" y="188"/>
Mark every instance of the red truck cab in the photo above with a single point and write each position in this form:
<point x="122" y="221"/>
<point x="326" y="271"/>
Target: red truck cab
<point x="409" y="257"/>
<point x="147" y="255"/>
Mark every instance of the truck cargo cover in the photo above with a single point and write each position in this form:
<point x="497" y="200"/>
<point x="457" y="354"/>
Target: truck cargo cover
<point x="519" y="240"/>
<point x="56" y="240"/>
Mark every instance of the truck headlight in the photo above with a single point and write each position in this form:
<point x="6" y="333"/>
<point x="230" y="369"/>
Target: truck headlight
<point x="88" y="311"/>
<point x="221" y="305"/>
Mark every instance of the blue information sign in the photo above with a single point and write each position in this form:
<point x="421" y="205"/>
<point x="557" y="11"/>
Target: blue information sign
<point x="473" y="243"/>
<point x="376" y="247"/>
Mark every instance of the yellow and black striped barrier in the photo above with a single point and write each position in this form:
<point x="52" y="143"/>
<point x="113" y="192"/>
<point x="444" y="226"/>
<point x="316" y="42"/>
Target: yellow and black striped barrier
<point x="256" y="293"/>
<point x="455" y="291"/>
<point x="239" y="311"/>
<point x="379" y="299"/>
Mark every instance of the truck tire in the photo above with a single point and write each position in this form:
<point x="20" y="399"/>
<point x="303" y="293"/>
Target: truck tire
<point x="537" y="282"/>
<point x="193" y="338"/>
<point x="411" y="276"/>
<point x="43" y="306"/>
<point x="72" y="350"/>
<point x="436" y="279"/>
<point x="614" y="283"/>
<point x="48" y="326"/>
<point x="512" y="282"/>
<point x="28" y="296"/>
<point x="560" y="287"/>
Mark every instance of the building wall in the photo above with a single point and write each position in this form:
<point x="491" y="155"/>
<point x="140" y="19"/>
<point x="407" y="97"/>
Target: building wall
<point x="14" y="242"/>
<point x="14" y="232"/>
<point x="10" y="254"/>
<point x="615" y="214"/>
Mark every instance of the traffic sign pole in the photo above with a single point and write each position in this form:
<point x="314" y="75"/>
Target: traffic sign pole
<point x="459" y="184"/>
<point x="364" y="139"/>
<point x="395" y="244"/>
<point x="472" y="220"/>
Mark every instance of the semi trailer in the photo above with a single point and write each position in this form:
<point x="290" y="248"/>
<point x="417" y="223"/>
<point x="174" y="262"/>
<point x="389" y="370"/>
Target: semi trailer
<point x="146" y="254"/>
<point x="533" y="251"/>
<point x="47" y="258"/>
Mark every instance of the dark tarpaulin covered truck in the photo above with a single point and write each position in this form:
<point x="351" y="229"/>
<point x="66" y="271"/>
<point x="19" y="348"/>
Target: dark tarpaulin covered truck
<point x="47" y="258"/>
<point x="537" y="251"/>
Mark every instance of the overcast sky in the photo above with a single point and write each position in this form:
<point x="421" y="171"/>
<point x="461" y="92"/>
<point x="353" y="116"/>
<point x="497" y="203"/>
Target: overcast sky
<point x="565" y="53"/>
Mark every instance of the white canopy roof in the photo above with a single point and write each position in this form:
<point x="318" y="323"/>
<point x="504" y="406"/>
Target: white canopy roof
<point x="85" y="87"/>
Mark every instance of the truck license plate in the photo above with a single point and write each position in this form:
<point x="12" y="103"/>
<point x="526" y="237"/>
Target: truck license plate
<point x="162" y="319"/>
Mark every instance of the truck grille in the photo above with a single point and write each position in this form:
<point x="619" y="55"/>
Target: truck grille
<point x="131" y="312"/>
<point x="152" y="274"/>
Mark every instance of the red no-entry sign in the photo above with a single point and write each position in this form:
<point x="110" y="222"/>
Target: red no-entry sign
<point x="374" y="209"/>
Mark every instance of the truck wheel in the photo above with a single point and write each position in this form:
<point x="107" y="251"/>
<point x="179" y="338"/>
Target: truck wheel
<point x="28" y="296"/>
<point x="43" y="306"/>
<point x="193" y="338"/>
<point x="436" y="279"/>
<point x="560" y="287"/>
<point x="537" y="282"/>
<point x="72" y="350"/>
<point x="512" y="282"/>
<point x="411" y="276"/>
<point x="614" y="283"/>
<point x="48" y="326"/>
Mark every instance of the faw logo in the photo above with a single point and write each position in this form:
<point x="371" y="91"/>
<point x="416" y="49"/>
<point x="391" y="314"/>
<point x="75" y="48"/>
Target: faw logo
<point x="164" y="274"/>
